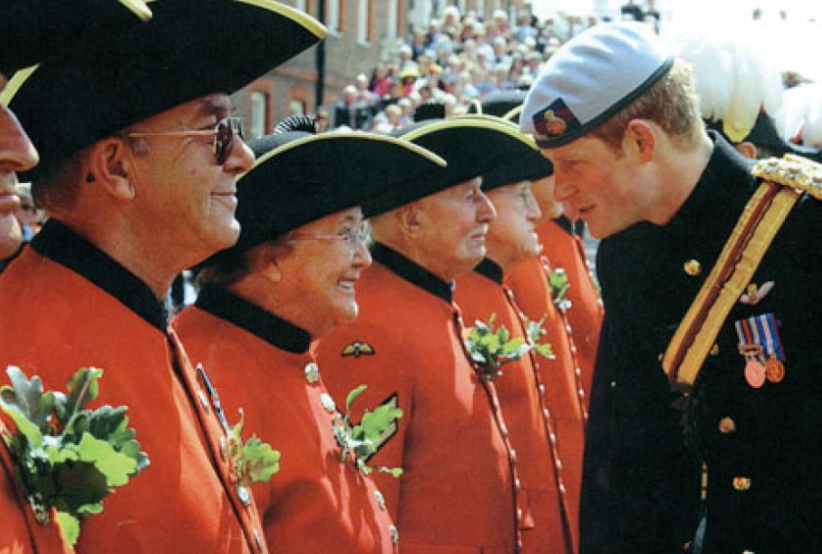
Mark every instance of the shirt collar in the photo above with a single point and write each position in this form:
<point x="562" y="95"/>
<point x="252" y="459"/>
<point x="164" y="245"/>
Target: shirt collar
<point x="412" y="272"/>
<point x="274" y="330"/>
<point x="491" y="270"/>
<point x="62" y="245"/>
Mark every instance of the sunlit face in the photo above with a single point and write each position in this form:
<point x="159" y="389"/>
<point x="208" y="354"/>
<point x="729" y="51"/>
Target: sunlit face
<point x="318" y="271"/>
<point x="454" y="224"/>
<point x="512" y="237"/>
<point x="16" y="154"/>
<point x="179" y="186"/>
<point x="596" y="185"/>
<point x="27" y="214"/>
<point x="543" y="190"/>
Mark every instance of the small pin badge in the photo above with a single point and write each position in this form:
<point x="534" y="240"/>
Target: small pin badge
<point x="754" y="294"/>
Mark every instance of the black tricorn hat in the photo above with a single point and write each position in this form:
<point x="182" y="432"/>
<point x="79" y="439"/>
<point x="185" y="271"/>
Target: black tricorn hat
<point x="300" y="177"/>
<point x="471" y="145"/>
<point x="523" y="162"/>
<point x="189" y="49"/>
<point x="32" y="31"/>
<point x="506" y="104"/>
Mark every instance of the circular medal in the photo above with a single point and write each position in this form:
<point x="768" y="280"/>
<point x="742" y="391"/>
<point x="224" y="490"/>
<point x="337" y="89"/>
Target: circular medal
<point x="754" y="373"/>
<point x="774" y="370"/>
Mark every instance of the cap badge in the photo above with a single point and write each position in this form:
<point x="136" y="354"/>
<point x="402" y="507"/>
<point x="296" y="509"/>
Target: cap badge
<point x="555" y="120"/>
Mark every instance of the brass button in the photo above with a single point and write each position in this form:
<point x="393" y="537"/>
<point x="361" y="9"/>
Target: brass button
<point x="258" y="538"/>
<point x="742" y="483"/>
<point x="328" y="403"/>
<point x="245" y="496"/>
<point x="692" y="267"/>
<point x="714" y="350"/>
<point x="224" y="449"/>
<point x="204" y="401"/>
<point x="727" y="425"/>
<point x="380" y="499"/>
<point x="395" y="535"/>
<point x="312" y="373"/>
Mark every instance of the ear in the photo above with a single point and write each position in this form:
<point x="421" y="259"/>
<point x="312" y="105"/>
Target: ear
<point x="747" y="149"/>
<point x="410" y="218"/>
<point x="109" y="168"/>
<point x="640" y="138"/>
<point x="264" y="261"/>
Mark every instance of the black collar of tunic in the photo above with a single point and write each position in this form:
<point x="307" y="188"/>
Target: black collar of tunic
<point x="223" y="303"/>
<point x="490" y="269"/>
<point x="412" y="272"/>
<point x="719" y="196"/>
<point x="62" y="245"/>
<point x="566" y="225"/>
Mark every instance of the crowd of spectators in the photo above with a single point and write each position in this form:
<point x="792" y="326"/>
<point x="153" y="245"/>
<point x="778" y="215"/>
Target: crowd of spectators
<point x="458" y="59"/>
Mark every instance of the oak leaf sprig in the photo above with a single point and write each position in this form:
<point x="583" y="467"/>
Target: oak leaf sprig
<point x="491" y="348"/>
<point x="535" y="332"/>
<point x="254" y="461"/>
<point x="558" y="282"/>
<point x="363" y="439"/>
<point x="68" y="457"/>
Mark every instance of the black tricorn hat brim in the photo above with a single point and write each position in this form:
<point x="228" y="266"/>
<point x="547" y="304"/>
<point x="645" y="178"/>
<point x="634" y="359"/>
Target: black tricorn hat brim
<point x="506" y="104"/>
<point x="472" y="146"/>
<point x="32" y="31"/>
<point x="186" y="51"/>
<point x="312" y="176"/>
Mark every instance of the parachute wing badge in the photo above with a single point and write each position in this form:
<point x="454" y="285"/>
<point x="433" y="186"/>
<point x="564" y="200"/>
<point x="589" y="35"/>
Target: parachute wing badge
<point x="357" y="349"/>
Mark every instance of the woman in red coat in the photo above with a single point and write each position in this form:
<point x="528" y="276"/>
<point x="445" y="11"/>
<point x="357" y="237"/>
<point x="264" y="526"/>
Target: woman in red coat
<point x="267" y="302"/>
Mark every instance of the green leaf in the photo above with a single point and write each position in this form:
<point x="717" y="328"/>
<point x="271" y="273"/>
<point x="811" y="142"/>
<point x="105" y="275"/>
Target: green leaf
<point x="78" y="485"/>
<point x="262" y="461"/>
<point x="29" y="430"/>
<point x="396" y="472"/>
<point x="375" y="423"/>
<point x="116" y="467"/>
<point x="70" y="526"/>
<point x="352" y="396"/>
<point x="513" y="346"/>
<point x="82" y="387"/>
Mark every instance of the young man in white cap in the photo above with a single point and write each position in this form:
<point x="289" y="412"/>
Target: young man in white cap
<point x="138" y="167"/>
<point x="702" y="431"/>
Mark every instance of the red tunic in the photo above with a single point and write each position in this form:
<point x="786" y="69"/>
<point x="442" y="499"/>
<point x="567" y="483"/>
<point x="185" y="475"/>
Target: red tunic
<point x="67" y="305"/>
<point x="542" y="415"/>
<point x="21" y="534"/>
<point x="457" y="495"/>
<point x="316" y="503"/>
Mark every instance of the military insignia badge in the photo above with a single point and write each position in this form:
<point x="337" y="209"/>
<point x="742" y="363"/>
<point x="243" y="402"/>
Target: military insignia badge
<point x="754" y="294"/>
<point x="358" y="349"/>
<point x="555" y="120"/>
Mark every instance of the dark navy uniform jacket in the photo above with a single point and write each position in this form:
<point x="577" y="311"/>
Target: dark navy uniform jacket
<point x="762" y="447"/>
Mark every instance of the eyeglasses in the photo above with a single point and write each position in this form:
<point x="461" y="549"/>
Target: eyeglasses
<point x="223" y="133"/>
<point x="352" y="237"/>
